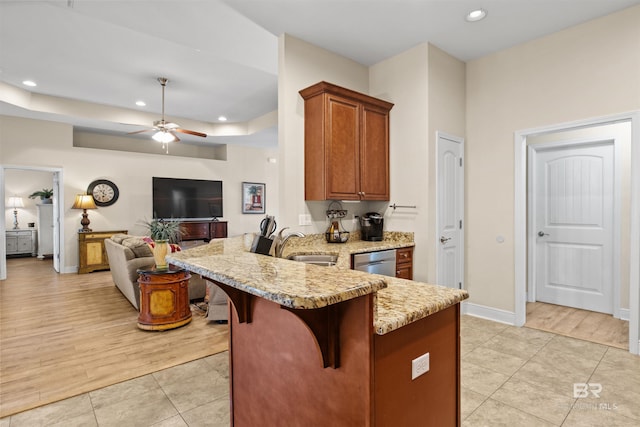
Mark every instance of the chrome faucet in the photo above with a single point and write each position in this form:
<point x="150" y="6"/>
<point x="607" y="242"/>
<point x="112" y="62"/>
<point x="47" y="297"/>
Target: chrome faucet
<point x="282" y="240"/>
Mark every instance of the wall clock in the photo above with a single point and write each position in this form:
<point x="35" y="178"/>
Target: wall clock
<point x="104" y="192"/>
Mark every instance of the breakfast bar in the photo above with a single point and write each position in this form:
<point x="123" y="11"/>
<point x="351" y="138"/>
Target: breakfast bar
<point x="312" y="345"/>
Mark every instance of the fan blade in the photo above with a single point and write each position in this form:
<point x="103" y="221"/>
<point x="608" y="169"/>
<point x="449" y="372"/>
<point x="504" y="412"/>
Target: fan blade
<point x="175" y="136"/>
<point x="139" y="131"/>
<point x="191" y="132"/>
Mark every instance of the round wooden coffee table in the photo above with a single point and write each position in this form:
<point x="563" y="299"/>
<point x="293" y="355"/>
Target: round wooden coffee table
<point x="164" y="298"/>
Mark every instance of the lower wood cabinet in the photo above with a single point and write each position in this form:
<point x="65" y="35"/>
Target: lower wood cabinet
<point x="91" y="252"/>
<point x="203" y="230"/>
<point x="404" y="263"/>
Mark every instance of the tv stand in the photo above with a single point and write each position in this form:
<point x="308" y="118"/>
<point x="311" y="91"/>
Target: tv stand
<point x="204" y="230"/>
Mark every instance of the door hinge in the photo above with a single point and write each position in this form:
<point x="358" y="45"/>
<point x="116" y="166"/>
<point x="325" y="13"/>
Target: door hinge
<point x="460" y="224"/>
<point x="460" y="161"/>
<point x="459" y="285"/>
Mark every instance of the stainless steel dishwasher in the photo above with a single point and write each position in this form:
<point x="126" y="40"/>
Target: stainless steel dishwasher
<point x="381" y="262"/>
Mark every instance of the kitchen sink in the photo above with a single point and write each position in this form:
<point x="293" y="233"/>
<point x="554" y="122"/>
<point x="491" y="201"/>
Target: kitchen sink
<point x="323" y="260"/>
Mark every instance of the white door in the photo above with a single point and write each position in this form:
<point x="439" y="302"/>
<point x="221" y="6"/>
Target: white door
<point x="450" y="209"/>
<point x="56" y="220"/>
<point x="574" y="226"/>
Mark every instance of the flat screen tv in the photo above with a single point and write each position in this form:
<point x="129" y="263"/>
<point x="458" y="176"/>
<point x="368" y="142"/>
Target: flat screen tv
<point x="187" y="198"/>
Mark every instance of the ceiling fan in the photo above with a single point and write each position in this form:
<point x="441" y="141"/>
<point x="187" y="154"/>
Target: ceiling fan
<point x="166" y="132"/>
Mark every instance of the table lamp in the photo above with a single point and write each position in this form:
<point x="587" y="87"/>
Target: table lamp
<point x="84" y="202"/>
<point x="15" y="202"/>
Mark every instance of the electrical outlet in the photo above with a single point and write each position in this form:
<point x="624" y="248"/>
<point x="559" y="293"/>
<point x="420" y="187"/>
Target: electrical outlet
<point x="419" y="366"/>
<point x="304" y="219"/>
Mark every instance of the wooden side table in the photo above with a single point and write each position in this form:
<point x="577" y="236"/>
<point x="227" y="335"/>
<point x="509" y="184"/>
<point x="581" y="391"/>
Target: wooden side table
<point x="92" y="255"/>
<point x="164" y="298"/>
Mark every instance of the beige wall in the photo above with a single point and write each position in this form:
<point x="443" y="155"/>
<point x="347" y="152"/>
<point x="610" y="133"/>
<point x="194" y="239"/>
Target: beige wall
<point x="25" y="142"/>
<point x="590" y="70"/>
<point x="403" y="80"/>
<point x="447" y="96"/>
<point x="23" y="183"/>
<point x="427" y="87"/>
<point x="302" y="65"/>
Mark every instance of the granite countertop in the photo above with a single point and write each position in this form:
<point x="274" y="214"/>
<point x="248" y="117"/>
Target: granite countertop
<point x="293" y="284"/>
<point x="317" y="244"/>
<point x="288" y="283"/>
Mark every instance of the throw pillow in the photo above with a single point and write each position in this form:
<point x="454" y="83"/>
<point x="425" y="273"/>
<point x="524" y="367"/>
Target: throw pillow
<point x="138" y="246"/>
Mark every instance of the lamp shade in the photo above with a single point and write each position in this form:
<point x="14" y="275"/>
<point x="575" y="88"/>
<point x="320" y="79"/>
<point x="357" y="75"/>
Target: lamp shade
<point x="15" y="202"/>
<point x="84" y="201"/>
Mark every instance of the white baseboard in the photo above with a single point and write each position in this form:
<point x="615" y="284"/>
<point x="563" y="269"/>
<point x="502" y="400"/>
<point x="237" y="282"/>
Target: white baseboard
<point x="625" y="314"/>
<point x="489" y="313"/>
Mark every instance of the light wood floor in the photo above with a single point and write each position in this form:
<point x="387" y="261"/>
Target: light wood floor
<point x="586" y="325"/>
<point x="66" y="334"/>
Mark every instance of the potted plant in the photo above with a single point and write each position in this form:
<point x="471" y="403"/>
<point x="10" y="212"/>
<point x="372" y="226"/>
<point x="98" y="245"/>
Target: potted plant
<point x="162" y="232"/>
<point x="45" y="195"/>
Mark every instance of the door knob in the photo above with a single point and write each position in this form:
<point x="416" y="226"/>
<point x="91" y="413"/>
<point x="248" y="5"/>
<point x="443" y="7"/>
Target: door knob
<point x="444" y="239"/>
<point x="542" y="233"/>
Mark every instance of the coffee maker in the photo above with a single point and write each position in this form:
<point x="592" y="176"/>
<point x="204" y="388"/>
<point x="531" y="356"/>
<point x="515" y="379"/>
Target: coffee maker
<point x="371" y="225"/>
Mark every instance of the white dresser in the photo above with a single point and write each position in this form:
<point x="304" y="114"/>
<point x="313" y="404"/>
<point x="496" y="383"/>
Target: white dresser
<point x="21" y="242"/>
<point x="45" y="230"/>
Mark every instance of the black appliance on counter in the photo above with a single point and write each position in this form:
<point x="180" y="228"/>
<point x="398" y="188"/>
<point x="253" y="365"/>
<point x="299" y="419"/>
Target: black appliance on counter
<point x="371" y="226"/>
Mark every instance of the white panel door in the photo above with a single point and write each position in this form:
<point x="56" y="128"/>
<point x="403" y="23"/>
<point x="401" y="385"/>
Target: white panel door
<point x="574" y="226"/>
<point x="450" y="192"/>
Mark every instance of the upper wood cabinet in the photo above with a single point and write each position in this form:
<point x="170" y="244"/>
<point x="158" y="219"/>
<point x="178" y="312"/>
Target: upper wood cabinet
<point x="346" y="141"/>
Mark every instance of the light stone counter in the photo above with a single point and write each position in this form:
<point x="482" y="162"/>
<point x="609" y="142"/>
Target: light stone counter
<point x="317" y="244"/>
<point x="294" y="284"/>
<point x="288" y="283"/>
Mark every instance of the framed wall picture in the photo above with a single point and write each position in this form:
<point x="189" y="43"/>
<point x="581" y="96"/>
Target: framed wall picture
<point x="253" y="197"/>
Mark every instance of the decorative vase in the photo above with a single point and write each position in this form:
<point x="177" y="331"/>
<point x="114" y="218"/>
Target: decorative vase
<point x="159" y="252"/>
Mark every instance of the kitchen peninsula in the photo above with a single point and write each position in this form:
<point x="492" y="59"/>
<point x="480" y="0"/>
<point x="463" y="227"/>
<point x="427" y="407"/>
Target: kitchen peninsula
<point x="312" y="345"/>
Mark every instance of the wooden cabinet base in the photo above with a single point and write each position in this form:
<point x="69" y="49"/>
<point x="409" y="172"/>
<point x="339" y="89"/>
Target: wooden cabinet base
<point x="164" y="298"/>
<point x="279" y="372"/>
<point x="164" y="326"/>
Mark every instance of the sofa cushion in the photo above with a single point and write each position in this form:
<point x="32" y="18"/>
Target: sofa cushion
<point x="138" y="246"/>
<point x="118" y="238"/>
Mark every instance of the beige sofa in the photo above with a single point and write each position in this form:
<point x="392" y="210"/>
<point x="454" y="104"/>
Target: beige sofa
<point x="129" y="253"/>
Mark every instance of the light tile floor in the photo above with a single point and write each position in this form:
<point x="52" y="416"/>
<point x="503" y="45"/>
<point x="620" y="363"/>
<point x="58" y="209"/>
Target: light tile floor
<point x="510" y="377"/>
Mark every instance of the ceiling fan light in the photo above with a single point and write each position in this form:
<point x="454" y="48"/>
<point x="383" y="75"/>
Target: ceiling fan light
<point x="163" y="137"/>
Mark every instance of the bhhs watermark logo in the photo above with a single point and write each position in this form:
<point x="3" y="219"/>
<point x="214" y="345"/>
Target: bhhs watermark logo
<point x="593" y="390"/>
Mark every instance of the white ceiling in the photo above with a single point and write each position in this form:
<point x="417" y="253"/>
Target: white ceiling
<point x="221" y="56"/>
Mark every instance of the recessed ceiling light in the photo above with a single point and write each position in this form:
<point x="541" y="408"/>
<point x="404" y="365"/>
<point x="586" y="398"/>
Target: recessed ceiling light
<point x="29" y="83"/>
<point x="222" y="119"/>
<point x="141" y="103"/>
<point x="476" y="15"/>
